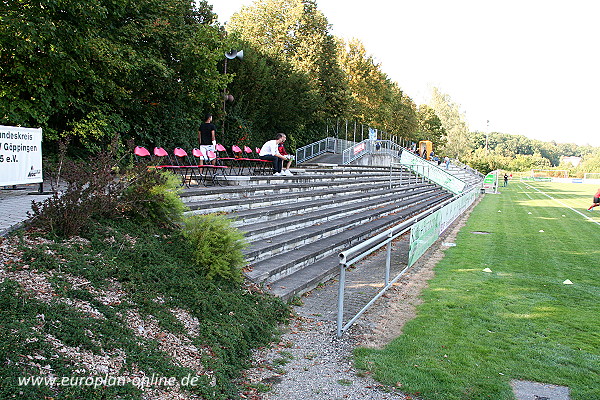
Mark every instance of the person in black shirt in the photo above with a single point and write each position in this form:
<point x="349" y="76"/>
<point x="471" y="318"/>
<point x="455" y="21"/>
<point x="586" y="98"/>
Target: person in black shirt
<point x="207" y="136"/>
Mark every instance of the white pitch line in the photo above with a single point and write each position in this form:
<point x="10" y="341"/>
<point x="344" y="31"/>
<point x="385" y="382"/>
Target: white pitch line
<point x="527" y="194"/>
<point x="563" y="204"/>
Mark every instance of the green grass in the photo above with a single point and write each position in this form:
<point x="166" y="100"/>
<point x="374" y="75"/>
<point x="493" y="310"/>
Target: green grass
<point x="476" y="331"/>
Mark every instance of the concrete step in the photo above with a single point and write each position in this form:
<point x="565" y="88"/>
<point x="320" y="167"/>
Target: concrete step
<point x="291" y="182"/>
<point x="271" y="259"/>
<point x="264" y="196"/>
<point x="322" y="263"/>
<point x="325" y="211"/>
<point x="316" y="201"/>
<point x="296" y="225"/>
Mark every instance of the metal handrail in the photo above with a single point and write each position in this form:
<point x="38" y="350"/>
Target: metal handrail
<point x="327" y="145"/>
<point x="433" y="172"/>
<point x="466" y="167"/>
<point x="364" y="249"/>
<point x="371" y="146"/>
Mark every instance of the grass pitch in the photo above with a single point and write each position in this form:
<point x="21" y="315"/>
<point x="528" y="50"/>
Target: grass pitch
<point x="476" y="331"/>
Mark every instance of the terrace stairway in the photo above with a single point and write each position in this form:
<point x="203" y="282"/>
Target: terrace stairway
<point x="296" y="225"/>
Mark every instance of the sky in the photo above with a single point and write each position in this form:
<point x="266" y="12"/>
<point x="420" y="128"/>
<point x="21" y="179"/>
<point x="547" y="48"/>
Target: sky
<point x="523" y="67"/>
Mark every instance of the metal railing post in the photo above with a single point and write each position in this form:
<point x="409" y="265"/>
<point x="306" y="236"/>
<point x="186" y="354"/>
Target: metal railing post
<point x="340" y="317"/>
<point x="388" y="259"/>
<point x="401" y="175"/>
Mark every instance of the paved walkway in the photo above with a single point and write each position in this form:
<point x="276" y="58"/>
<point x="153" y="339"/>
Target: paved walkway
<point x="16" y="203"/>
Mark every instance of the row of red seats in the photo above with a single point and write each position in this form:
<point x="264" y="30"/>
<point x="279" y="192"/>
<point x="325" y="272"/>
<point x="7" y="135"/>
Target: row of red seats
<point x="203" y="166"/>
<point x="243" y="160"/>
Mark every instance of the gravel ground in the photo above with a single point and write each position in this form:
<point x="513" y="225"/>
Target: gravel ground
<point x="310" y="362"/>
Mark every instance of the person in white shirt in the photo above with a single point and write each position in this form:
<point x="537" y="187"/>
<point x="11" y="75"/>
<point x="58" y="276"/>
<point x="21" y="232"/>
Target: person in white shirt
<point x="270" y="151"/>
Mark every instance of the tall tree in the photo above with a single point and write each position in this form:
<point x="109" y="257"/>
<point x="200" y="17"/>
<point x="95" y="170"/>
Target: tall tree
<point x="376" y="100"/>
<point x="297" y="33"/>
<point x="92" y="68"/>
<point x="430" y="126"/>
<point x="457" y="132"/>
<point x="270" y="96"/>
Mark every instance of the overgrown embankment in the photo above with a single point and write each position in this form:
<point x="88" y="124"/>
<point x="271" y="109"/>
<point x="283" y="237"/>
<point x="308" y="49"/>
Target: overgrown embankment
<point x="135" y="305"/>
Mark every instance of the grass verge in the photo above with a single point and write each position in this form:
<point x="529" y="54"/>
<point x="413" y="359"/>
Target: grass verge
<point x="476" y="331"/>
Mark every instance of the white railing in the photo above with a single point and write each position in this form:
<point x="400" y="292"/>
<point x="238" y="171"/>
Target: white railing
<point x="327" y="145"/>
<point x="432" y="172"/>
<point x="467" y="168"/>
<point x="368" y="147"/>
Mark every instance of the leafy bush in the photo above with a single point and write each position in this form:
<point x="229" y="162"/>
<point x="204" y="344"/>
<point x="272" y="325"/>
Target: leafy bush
<point x="94" y="190"/>
<point x="217" y="246"/>
<point x="152" y="270"/>
<point x="153" y="195"/>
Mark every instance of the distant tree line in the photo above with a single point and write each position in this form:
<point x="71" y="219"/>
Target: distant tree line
<point x="519" y="153"/>
<point x="491" y="151"/>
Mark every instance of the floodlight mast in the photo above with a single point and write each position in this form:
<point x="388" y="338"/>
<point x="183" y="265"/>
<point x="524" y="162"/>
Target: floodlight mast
<point x="230" y="55"/>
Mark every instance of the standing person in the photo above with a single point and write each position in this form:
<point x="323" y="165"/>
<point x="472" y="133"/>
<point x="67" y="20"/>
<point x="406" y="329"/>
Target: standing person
<point x="596" y="202"/>
<point x="289" y="157"/>
<point x="447" y="161"/>
<point x="270" y="151"/>
<point x="207" y="136"/>
<point x="505" y="180"/>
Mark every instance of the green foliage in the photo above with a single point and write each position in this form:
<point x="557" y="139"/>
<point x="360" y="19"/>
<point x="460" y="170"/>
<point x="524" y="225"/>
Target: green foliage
<point x="518" y="153"/>
<point x="376" y="100"/>
<point x="590" y="163"/>
<point x="486" y="161"/>
<point x="91" y="69"/>
<point x="91" y="192"/>
<point x="148" y="270"/>
<point x="94" y="190"/>
<point x="270" y="97"/>
<point x="293" y="83"/>
<point x="430" y="126"/>
<point x="151" y="194"/>
<point x="217" y="246"/>
<point x="457" y="141"/>
<point x="149" y="70"/>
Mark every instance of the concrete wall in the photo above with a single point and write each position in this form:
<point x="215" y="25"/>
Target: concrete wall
<point x="375" y="159"/>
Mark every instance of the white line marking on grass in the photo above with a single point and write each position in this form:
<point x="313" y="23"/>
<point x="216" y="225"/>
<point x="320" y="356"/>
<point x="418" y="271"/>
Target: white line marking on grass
<point x="527" y="194"/>
<point x="563" y="204"/>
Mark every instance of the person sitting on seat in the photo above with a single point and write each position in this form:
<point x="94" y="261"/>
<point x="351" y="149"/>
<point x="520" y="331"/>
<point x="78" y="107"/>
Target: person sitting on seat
<point x="290" y="158"/>
<point x="270" y="151"/>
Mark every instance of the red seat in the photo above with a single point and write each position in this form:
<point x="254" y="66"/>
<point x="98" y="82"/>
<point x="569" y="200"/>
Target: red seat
<point x="223" y="158"/>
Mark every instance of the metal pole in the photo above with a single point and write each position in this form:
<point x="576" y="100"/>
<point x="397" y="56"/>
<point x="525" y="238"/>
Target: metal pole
<point x="391" y="168"/>
<point x="388" y="260"/>
<point x="346" y="135"/>
<point x="340" y="317"/>
<point x="401" y="175"/>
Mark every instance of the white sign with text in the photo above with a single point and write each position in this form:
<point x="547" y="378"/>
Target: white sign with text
<point x="20" y="155"/>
